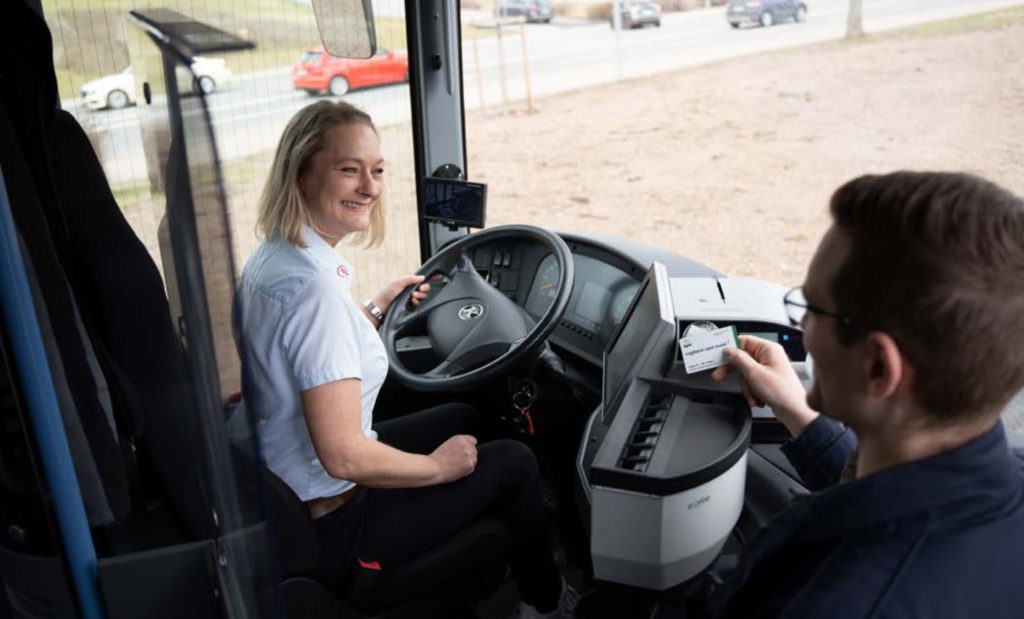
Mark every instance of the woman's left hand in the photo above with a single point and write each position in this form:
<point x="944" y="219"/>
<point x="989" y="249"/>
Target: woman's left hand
<point x="386" y="297"/>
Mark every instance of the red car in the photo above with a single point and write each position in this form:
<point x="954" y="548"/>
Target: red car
<point x="317" y="72"/>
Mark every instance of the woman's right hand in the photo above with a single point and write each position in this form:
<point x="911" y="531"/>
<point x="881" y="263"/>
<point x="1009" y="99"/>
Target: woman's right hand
<point x="455" y="458"/>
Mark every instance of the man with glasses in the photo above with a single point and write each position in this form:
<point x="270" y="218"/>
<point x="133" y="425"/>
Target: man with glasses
<point x="913" y="313"/>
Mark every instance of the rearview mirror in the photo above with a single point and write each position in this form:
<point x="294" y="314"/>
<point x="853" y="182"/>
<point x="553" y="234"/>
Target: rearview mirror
<point x="346" y="27"/>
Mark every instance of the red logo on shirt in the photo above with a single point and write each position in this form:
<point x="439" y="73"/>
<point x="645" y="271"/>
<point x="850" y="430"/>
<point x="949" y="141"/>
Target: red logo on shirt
<point x="342" y="271"/>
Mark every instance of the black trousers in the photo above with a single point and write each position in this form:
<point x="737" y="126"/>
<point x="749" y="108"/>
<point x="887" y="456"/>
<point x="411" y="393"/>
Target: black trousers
<point x="389" y="527"/>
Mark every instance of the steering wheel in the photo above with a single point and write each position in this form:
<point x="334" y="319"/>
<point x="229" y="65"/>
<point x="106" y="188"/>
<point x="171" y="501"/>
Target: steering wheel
<point x="477" y="330"/>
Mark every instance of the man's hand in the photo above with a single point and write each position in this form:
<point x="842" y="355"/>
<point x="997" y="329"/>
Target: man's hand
<point x="767" y="378"/>
<point x="455" y="458"/>
<point x="386" y="297"/>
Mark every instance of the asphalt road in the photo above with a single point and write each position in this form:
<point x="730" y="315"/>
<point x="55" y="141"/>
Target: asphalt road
<point x="250" y="112"/>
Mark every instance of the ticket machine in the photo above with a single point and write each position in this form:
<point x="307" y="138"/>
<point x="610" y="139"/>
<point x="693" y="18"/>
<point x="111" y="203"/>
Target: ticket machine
<point x="663" y="462"/>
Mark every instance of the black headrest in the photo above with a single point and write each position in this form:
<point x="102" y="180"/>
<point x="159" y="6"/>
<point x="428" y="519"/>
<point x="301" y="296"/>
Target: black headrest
<point x="28" y="81"/>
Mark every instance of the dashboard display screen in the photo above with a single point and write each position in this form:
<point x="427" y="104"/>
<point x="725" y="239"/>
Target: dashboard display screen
<point x="591" y="303"/>
<point x="601" y="294"/>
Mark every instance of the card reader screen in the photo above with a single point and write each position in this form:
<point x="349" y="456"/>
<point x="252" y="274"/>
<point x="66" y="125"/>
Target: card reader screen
<point x="791" y="339"/>
<point x="635" y="331"/>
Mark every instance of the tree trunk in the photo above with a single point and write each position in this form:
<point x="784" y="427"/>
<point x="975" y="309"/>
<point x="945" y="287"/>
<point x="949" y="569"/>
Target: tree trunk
<point x="854" y="20"/>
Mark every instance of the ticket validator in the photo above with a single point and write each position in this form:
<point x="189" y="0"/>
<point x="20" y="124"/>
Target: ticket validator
<point x="663" y="461"/>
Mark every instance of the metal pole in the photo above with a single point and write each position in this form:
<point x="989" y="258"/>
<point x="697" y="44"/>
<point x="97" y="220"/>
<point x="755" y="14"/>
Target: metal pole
<point x="476" y="66"/>
<point x="526" y="68"/>
<point x="501" y="72"/>
<point x="37" y="382"/>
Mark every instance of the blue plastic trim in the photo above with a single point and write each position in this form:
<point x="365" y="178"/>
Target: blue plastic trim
<point x="37" y="383"/>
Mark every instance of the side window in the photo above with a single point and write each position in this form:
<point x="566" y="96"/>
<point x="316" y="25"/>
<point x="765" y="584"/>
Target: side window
<point x="251" y="95"/>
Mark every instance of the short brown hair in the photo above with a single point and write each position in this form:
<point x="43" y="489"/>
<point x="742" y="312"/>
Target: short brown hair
<point x="281" y="206"/>
<point x="937" y="261"/>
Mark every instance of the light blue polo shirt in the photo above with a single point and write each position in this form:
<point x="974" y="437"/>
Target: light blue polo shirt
<point x="301" y="329"/>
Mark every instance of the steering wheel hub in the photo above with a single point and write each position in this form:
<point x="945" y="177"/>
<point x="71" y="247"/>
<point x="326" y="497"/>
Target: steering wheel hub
<point x="471" y="311"/>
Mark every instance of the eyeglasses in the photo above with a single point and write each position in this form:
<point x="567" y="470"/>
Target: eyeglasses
<point x="797" y="308"/>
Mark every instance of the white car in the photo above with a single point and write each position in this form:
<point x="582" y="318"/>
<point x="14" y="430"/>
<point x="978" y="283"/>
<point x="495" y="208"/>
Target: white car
<point x="118" y="90"/>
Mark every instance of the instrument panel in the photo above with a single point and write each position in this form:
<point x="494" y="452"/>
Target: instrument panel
<point x="604" y="285"/>
<point x="599" y="299"/>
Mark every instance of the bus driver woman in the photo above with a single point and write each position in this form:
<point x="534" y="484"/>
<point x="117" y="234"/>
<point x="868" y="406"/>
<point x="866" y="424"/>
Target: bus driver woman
<point x="380" y="493"/>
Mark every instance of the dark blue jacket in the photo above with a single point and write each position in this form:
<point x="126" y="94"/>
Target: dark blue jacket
<point x="940" y="537"/>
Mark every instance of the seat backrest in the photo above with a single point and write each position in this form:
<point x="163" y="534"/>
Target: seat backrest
<point x="103" y="293"/>
<point x="122" y="297"/>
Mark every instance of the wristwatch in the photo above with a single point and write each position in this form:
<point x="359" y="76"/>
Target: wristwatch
<point x="374" y="310"/>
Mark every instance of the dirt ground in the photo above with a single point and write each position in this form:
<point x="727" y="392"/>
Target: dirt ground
<point x="733" y="163"/>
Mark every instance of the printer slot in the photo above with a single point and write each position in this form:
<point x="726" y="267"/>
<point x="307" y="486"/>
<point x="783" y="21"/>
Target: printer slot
<point x="649" y="425"/>
<point x="639" y="451"/>
<point x="658" y="399"/>
<point x="638" y="463"/>
<point x="639" y="448"/>
<point x="654" y="413"/>
<point x="644" y="441"/>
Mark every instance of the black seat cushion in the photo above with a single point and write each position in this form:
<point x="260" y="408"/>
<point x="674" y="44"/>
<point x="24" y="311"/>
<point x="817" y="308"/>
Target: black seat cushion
<point x="462" y="570"/>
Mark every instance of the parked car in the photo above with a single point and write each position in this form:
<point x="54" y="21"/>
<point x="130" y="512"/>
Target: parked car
<point x="317" y="72"/>
<point x="637" y="14"/>
<point x="764" y="12"/>
<point x="118" y="90"/>
<point x="534" y="11"/>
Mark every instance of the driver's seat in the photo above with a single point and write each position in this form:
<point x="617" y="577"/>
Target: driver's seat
<point x="112" y="301"/>
<point x="439" y="583"/>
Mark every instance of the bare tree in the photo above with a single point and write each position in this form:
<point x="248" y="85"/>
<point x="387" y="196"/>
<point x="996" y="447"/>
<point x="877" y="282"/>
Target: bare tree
<point x="854" y="20"/>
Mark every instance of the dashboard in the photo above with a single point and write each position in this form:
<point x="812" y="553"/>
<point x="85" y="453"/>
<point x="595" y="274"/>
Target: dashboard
<point x="607" y="274"/>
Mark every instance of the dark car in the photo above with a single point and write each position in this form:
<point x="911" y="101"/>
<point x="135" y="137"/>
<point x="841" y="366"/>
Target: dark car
<point x="764" y="12"/>
<point x="637" y="14"/>
<point x="534" y="11"/>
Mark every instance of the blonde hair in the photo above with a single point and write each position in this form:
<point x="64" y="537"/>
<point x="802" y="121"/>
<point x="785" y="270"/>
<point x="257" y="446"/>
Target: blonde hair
<point x="281" y="206"/>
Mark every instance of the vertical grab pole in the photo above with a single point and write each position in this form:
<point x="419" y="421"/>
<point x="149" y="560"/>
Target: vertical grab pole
<point x="34" y="372"/>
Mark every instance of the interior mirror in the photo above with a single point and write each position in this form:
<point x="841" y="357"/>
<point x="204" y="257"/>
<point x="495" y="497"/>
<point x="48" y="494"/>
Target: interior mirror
<point x="346" y="27"/>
